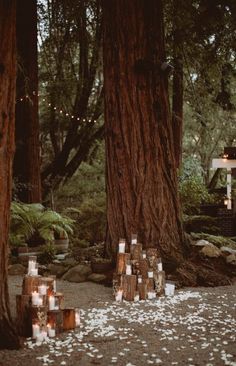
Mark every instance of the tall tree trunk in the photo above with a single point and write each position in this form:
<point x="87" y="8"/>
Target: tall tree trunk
<point x="8" y="337"/>
<point x="27" y="159"/>
<point x="141" y="170"/>
<point x="177" y="99"/>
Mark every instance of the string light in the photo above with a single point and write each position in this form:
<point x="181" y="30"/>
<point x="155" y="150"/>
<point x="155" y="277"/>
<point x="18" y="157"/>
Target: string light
<point x="55" y="108"/>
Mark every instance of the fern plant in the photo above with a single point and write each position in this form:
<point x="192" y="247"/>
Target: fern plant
<point x="33" y="220"/>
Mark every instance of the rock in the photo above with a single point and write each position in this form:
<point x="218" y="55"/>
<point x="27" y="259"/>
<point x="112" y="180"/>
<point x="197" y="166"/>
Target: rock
<point x="228" y="250"/>
<point x="231" y="259"/>
<point x="17" y="269"/>
<point x="57" y="269"/>
<point x="70" y="262"/>
<point x="78" y="273"/>
<point x="203" y="243"/>
<point x="211" y="251"/>
<point x="97" y="278"/>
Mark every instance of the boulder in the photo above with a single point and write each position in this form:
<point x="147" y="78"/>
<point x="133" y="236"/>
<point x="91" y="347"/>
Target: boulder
<point x="203" y="243"/>
<point x="228" y="250"/>
<point x="231" y="259"/>
<point x="17" y="269"/>
<point x="211" y="251"/>
<point x="56" y="269"/>
<point x="78" y="273"/>
<point x="97" y="278"/>
<point x="69" y="262"/>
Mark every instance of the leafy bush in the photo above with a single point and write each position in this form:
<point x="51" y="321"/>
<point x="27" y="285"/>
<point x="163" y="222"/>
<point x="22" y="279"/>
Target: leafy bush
<point x="217" y="240"/>
<point x="201" y="223"/>
<point x="33" y="221"/>
<point x="47" y="255"/>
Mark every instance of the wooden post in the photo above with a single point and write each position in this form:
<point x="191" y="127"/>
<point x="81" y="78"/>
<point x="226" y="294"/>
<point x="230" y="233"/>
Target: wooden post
<point x="143" y="267"/>
<point x="30" y="284"/>
<point x="116" y="283"/>
<point x="24" y="321"/>
<point x="159" y="279"/>
<point x="68" y="318"/>
<point x="55" y="319"/>
<point x="142" y="288"/>
<point x="122" y="260"/>
<point x="150" y="284"/>
<point x="136" y="251"/>
<point x="152" y="256"/>
<point x="129" y="286"/>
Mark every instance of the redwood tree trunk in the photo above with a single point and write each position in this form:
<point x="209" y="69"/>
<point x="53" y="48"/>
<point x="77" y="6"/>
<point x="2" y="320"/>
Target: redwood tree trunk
<point x="27" y="159"/>
<point x="8" y="337"/>
<point x="177" y="99"/>
<point x="141" y="171"/>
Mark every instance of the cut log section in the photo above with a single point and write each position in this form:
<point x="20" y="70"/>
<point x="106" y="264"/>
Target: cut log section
<point x="122" y="260"/>
<point x="159" y="279"/>
<point x="49" y="282"/>
<point x="143" y="268"/>
<point x="30" y="284"/>
<point x="142" y="288"/>
<point x="152" y="256"/>
<point x="55" y="319"/>
<point x="129" y="286"/>
<point x="150" y="284"/>
<point x="59" y="300"/>
<point x="24" y="321"/>
<point x="68" y="318"/>
<point x="136" y="251"/>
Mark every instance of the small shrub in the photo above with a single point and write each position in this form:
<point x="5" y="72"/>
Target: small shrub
<point x="48" y="254"/>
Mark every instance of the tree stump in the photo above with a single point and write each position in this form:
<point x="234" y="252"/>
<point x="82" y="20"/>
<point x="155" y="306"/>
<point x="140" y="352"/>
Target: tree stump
<point x="116" y="283"/>
<point x="55" y="319"/>
<point x="122" y="260"/>
<point x="38" y="314"/>
<point x="136" y="251"/>
<point x="30" y="284"/>
<point x="129" y="286"/>
<point x="68" y="318"/>
<point x="152" y="256"/>
<point x="143" y="267"/>
<point x="24" y="321"/>
<point x="159" y="279"/>
<point x="142" y="288"/>
<point x="150" y="284"/>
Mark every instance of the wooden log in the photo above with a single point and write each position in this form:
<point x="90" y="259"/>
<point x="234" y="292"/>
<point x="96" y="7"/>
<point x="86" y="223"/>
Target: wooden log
<point x="150" y="284"/>
<point x="49" y="282"/>
<point x="129" y="283"/>
<point x="116" y="283"/>
<point x="142" y="288"/>
<point x="30" y="284"/>
<point x="38" y="314"/>
<point x="122" y="260"/>
<point x="136" y="251"/>
<point x="143" y="267"/>
<point x="159" y="279"/>
<point x="59" y="300"/>
<point x="55" y="319"/>
<point x="152" y="256"/>
<point x="68" y="318"/>
<point x="24" y="321"/>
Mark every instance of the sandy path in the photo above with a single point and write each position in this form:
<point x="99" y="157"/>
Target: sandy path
<point x="195" y="327"/>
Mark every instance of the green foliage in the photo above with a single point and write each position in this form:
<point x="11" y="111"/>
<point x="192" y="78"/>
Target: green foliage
<point x="217" y="240"/>
<point x="33" y="220"/>
<point x="193" y="193"/>
<point x="47" y="255"/>
<point x="200" y="223"/>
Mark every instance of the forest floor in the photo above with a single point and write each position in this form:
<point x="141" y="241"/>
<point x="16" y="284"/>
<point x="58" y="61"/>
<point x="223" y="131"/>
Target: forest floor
<point x="195" y="327"/>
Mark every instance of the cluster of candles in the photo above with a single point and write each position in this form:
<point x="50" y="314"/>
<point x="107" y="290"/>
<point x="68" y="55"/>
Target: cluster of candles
<point x="169" y="286"/>
<point x="42" y="334"/>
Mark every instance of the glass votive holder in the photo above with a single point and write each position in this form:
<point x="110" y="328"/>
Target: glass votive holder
<point x="77" y="317"/>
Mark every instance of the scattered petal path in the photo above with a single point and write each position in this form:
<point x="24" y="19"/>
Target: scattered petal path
<point x="195" y="327"/>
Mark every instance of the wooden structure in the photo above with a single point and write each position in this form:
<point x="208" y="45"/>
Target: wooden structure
<point x="137" y="273"/>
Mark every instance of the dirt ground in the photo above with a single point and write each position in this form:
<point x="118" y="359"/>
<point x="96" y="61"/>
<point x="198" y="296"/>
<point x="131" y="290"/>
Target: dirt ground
<point x="195" y="327"/>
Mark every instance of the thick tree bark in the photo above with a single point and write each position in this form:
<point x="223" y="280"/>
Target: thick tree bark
<point x="177" y="99"/>
<point x="141" y="170"/>
<point x="27" y="157"/>
<point x="8" y="337"/>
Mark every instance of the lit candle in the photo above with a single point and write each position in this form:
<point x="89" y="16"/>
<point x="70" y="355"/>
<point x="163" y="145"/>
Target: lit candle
<point x="51" y="331"/>
<point x="35" y="298"/>
<point x="144" y="255"/>
<point x="128" y="269"/>
<point x="136" y="297"/>
<point x="119" y="295"/>
<point x="51" y="302"/>
<point x="31" y="263"/>
<point x="140" y="280"/>
<point x="122" y="246"/>
<point x="169" y="289"/>
<point x="134" y="239"/>
<point x="159" y="265"/>
<point x="39" y="338"/>
<point x="150" y="274"/>
<point x="34" y="272"/>
<point x="40" y="301"/>
<point x="77" y="317"/>
<point x="35" y="330"/>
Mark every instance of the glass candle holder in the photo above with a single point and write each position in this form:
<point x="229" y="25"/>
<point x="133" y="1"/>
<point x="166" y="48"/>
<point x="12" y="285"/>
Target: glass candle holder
<point x="51" y="330"/>
<point x="150" y="274"/>
<point x="32" y="263"/>
<point x="119" y="295"/>
<point x="134" y="239"/>
<point x="35" y="330"/>
<point x="140" y="279"/>
<point x="77" y="317"/>
<point x="136" y="296"/>
<point x="170" y="288"/>
<point x="122" y="246"/>
<point x="159" y="265"/>
<point x="128" y="269"/>
<point x="144" y="254"/>
<point x="51" y="302"/>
